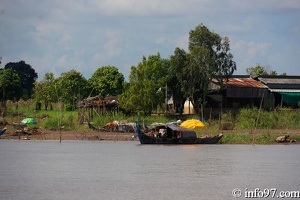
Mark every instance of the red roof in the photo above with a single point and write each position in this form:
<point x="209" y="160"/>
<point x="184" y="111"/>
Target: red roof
<point x="244" y="82"/>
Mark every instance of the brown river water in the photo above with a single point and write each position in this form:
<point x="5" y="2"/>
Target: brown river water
<point x="88" y="170"/>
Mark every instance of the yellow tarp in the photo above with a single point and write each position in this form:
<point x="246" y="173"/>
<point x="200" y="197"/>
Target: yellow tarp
<point x="192" y="123"/>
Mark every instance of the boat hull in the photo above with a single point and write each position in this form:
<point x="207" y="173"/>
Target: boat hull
<point x="174" y="135"/>
<point x="144" y="139"/>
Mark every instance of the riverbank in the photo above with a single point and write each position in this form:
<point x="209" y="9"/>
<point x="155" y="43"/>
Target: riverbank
<point x="72" y="135"/>
<point x="260" y="136"/>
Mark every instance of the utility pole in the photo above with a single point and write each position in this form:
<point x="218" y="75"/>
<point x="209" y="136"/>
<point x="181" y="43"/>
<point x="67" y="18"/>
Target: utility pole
<point x="3" y="92"/>
<point x="166" y="99"/>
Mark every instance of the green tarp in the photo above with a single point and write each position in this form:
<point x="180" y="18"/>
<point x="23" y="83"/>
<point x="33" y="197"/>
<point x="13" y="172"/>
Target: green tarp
<point x="290" y="97"/>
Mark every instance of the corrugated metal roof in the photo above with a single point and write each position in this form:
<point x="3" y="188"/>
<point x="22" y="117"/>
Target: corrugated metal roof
<point x="284" y="90"/>
<point x="280" y="80"/>
<point x="244" y="82"/>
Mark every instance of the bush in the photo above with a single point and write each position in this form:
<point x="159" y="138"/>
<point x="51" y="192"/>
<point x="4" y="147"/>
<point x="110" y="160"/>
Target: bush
<point x="266" y="120"/>
<point x="246" y="118"/>
<point x="288" y="119"/>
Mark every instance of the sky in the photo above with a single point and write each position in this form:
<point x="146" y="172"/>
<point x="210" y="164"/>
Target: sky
<point x="60" y="35"/>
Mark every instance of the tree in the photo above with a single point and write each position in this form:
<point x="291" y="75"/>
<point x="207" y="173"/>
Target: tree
<point x="44" y="90"/>
<point x="178" y="80"/>
<point x="107" y="81"/>
<point x="146" y="89"/>
<point x="27" y="75"/>
<point x="209" y="59"/>
<point x="70" y="87"/>
<point x="10" y="83"/>
<point x="259" y="70"/>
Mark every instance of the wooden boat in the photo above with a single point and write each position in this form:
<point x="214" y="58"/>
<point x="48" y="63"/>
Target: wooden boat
<point x="2" y="130"/>
<point x="172" y="134"/>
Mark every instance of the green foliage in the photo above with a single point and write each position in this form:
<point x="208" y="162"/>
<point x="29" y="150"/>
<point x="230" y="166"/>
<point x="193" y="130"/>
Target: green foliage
<point x="69" y="107"/>
<point x="146" y="89"/>
<point x="247" y="138"/>
<point x="280" y="119"/>
<point x="10" y="83"/>
<point x="68" y="121"/>
<point x="246" y="118"/>
<point x="250" y="118"/>
<point x="27" y="75"/>
<point x="267" y="120"/>
<point x="227" y="116"/>
<point x="287" y="119"/>
<point x="70" y="87"/>
<point x="234" y="138"/>
<point x="178" y="82"/>
<point x="209" y="58"/>
<point x="107" y="81"/>
<point x="44" y="90"/>
<point x="20" y="107"/>
<point x="259" y="70"/>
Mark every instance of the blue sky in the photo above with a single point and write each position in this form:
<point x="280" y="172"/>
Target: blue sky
<point x="57" y="36"/>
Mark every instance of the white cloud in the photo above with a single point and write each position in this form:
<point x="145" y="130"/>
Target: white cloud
<point x="248" y="53"/>
<point x="58" y="36"/>
<point x="260" y="6"/>
<point x="161" y="40"/>
<point x="148" y="7"/>
<point x="111" y="47"/>
<point x="45" y="30"/>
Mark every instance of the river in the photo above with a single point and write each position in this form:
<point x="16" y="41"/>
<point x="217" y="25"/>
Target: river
<point x="88" y="170"/>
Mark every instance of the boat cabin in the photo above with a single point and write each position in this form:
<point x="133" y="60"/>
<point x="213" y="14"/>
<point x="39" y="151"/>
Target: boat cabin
<point x="171" y="131"/>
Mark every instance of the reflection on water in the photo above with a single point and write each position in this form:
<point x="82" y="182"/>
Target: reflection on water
<point x="127" y="170"/>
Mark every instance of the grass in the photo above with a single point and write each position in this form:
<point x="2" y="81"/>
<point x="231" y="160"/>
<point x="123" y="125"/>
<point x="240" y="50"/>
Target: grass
<point x="247" y="119"/>
<point x="283" y="118"/>
<point x="246" y="138"/>
<point x="257" y="138"/>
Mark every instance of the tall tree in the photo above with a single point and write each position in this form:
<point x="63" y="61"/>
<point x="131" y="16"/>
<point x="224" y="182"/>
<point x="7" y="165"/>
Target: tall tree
<point x="107" y="81"/>
<point x="178" y="80"/>
<point x="44" y="90"/>
<point x="27" y="75"/>
<point x="10" y="84"/>
<point x="209" y="59"/>
<point x="70" y="87"/>
<point x="147" y="81"/>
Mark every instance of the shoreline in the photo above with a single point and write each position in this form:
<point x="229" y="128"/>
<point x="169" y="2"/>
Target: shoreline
<point x="72" y="135"/>
<point x="230" y="136"/>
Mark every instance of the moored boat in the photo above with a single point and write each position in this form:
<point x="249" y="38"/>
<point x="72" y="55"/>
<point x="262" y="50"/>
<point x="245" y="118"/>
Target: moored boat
<point x="172" y="134"/>
<point x="2" y="130"/>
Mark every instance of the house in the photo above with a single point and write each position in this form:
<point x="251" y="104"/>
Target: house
<point x="285" y="90"/>
<point x="237" y="92"/>
<point x="240" y="91"/>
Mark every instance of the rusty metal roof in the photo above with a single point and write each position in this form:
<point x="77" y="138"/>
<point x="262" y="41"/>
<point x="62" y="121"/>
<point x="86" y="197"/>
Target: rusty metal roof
<point x="244" y="82"/>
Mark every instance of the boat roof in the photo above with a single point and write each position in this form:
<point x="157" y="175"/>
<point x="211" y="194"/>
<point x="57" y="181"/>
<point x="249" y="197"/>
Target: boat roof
<point x="174" y="127"/>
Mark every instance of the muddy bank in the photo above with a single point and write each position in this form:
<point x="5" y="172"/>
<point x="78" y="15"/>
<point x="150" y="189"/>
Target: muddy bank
<point x="230" y="137"/>
<point x="72" y="135"/>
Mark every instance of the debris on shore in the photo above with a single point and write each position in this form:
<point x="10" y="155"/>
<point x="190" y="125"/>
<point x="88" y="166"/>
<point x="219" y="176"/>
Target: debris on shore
<point x="284" y="139"/>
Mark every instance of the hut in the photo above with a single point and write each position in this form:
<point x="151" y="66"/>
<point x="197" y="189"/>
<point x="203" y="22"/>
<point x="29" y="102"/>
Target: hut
<point x="97" y="106"/>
